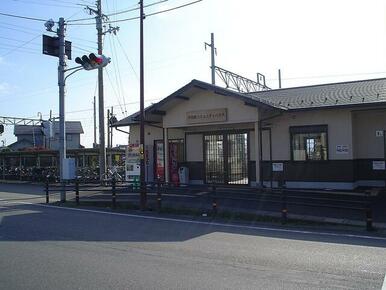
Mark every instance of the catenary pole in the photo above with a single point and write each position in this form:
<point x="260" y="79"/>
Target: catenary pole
<point x="279" y="72"/>
<point x="142" y="113"/>
<point x="212" y="58"/>
<point x="62" y="120"/>
<point x="213" y="65"/>
<point x="111" y="128"/>
<point x="108" y="128"/>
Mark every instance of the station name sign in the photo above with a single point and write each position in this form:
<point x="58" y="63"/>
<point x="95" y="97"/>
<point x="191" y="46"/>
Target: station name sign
<point x="206" y="116"/>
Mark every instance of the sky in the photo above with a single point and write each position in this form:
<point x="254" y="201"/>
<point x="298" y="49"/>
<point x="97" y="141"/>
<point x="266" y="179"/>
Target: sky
<point x="312" y="42"/>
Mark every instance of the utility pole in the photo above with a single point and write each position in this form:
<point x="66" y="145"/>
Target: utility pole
<point x="94" y="105"/>
<point x="102" y="145"/>
<point x="62" y="121"/>
<point x="213" y="51"/>
<point x="142" y="111"/>
<point x="108" y="128"/>
<point x="111" y="128"/>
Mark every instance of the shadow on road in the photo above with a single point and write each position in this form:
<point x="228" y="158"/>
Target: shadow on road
<point x="38" y="223"/>
<point x="33" y="189"/>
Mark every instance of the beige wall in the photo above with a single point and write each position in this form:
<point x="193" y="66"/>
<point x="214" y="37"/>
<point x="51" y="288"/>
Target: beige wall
<point x="154" y="133"/>
<point x="339" y="131"/>
<point x="365" y="124"/>
<point x="151" y="134"/>
<point x="238" y="112"/>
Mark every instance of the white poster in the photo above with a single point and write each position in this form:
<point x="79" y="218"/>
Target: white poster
<point x="341" y="149"/>
<point x="378" y="165"/>
<point x="277" y="167"/>
<point x="379" y="133"/>
<point x="132" y="162"/>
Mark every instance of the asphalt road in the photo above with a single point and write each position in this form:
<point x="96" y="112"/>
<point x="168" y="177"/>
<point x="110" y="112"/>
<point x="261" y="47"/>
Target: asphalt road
<point x="43" y="247"/>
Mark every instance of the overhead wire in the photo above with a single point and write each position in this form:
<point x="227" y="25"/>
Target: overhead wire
<point x="115" y="54"/>
<point x="127" y="58"/>
<point x="118" y="73"/>
<point x="106" y="107"/>
<point x="20" y="46"/>
<point x="44" y="4"/>
<point x="23" y="17"/>
<point x="115" y="92"/>
<point x="147" y="15"/>
<point x="135" y="7"/>
<point x="118" y="90"/>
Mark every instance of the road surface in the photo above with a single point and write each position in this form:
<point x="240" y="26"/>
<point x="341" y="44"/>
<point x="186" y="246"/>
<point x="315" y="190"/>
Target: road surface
<point x="45" y="247"/>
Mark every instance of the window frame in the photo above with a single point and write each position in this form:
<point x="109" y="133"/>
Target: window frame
<point x="309" y="129"/>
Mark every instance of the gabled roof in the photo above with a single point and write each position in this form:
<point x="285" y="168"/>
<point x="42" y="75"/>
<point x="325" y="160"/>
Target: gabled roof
<point x="333" y="95"/>
<point x="72" y="127"/>
<point x="23" y="143"/>
<point x="351" y="93"/>
<point x="151" y="111"/>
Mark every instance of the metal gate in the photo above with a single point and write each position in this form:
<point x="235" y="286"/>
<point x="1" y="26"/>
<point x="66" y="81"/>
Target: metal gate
<point x="226" y="158"/>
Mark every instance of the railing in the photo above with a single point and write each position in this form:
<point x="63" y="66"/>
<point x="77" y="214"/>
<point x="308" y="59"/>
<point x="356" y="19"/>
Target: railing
<point x="213" y="195"/>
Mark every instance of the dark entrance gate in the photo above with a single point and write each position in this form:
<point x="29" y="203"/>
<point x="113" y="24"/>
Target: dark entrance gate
<point x="226" y="158"/>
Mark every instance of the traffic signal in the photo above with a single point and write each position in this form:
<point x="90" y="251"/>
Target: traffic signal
<point x="1" y="129"/>
<point x="92" y="61"/>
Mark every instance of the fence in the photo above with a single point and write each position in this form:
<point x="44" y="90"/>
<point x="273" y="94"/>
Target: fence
<point x="213" y="195"/>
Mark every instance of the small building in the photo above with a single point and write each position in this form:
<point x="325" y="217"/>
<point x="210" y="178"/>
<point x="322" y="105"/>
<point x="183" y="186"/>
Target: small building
<point x="321" y="136"/>
<point x="29" y="136"/>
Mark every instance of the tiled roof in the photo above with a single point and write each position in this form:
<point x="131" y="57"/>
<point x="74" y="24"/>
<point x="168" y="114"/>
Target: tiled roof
<point x="72" y="127"/>
<point x="363" y="92"/>
<point x="327" y="95"/>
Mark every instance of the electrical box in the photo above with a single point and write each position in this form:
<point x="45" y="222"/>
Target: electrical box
<point x="69" y="169"/>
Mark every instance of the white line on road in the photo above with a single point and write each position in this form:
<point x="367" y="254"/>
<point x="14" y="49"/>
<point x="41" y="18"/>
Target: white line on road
<point x="203" y="222"/>
<point x="384" y="284"/>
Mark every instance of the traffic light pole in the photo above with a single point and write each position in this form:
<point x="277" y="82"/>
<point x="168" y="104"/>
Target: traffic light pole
<point x="62" y="121"/>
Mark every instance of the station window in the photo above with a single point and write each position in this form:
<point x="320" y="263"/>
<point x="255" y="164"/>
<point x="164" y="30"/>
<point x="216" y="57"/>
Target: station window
<point x="309" y="143"/>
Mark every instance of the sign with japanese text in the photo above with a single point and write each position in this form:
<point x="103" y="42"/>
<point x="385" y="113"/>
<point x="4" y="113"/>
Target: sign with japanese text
<point x="132" y="162"/>
<point x="206" y="116"/>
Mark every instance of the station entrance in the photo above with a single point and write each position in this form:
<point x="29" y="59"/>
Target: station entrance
<point x="226" y="158"/>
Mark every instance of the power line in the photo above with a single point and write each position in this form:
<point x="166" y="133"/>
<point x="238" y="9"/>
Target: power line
<point x="119" y="12"/>
<point x="117" y="70"/>
<point x="127" y="58"/>
<point x="45" y="4"/>
<point x="20" y="46"/>
<point x="136" y="8"/>
<point x="174" y="8"/>
<point x="106" y="107"/>
<point x="84" y="49"/>
<point x="18" y="30"/>
<point x="23" y="17"/>
<point x="22" y="50"/>
<point x="20" y="26"/>
<point x="148" y="15"/>
<point x="14" y="39"/>
<point x="115" y="92"/>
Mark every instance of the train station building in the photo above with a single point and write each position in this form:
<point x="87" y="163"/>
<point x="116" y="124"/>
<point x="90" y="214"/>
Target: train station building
<point x="329" y="136"/>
